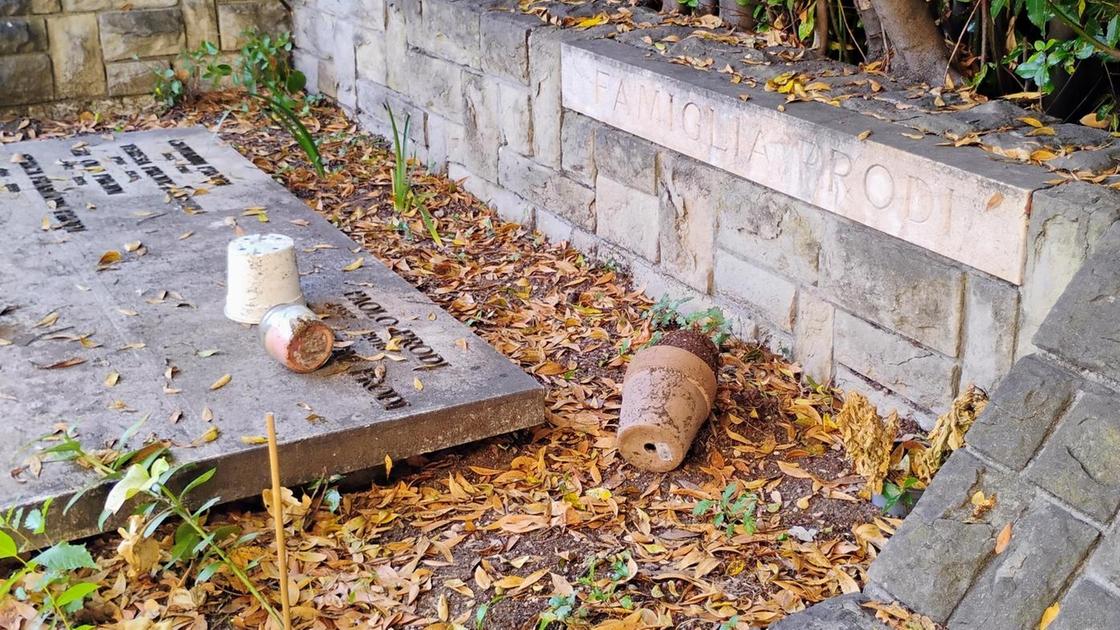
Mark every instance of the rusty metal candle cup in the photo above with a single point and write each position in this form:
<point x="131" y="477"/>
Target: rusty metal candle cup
<point x="666" y="396"/>
<point x="295" y="336"/>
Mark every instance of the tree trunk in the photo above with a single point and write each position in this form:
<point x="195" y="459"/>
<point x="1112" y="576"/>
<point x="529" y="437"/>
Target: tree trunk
<point x="820" y="28"/>
<point x="916" y="39"/>
<point x="873" y="31"/>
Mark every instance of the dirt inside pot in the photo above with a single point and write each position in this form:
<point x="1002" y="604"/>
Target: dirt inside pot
<point x="695" y="342"/>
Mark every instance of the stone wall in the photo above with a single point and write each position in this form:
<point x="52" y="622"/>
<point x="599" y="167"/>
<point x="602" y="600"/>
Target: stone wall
<point x="78" y="51"/>
<point x="889" y="264"/>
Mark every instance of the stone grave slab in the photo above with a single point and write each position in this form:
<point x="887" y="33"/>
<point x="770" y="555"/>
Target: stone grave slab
<point x="413" y="380"/>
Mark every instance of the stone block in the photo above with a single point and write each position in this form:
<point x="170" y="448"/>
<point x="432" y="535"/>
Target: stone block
<point x="398" y="13"/>
<point x="509" y="206"/>
<point x="444" y="140"/>
<point x="372" y="99"/>
<point x="1084" y="326"/>
<point x="345" y="64"/>
<point x="689" y="211"/>
<point x="440" y="91"/>
<point x="39" y="7"/>
<point x="813" y="336"/>
<point x="933" y="558"/>
<point x="78" y="68"/>
<point x="515" y="118"/>
<point x="577" y="135"/>
<point x="1078" y="463"/>
<point x="307" y="63"/>
<point x="1047" y="545"/>
<point x="201" y="20"/>
<point x="769" y="295"/>
<point x="448" y="30"/>
<point x="554" y="228"/>
<point x="884" y="399"/>
<point x="22" y="35"/>
<point x="126" y="78"/>
<point x="26" y="79"/>
<point x="1087" y="606"/>
<point x="504" y="44"/>
<point x="370" y="62"/>
<point x="882" y="182"/>
<point x="481" y="127"/>
<point x="546" y="188"/>
<point x="327" y="82"/>
<point x="88" y="6"/>
<point x="777" y="230"/>
<point x="149" y="33"/>
<point x="626" y="217"/>
<point x="991" y="314"/>
<point x="922" y="375"/>
<point x="626" y="159"/>
<point x="15" y="7"/>
<point x="266" y="16"/>
<point x="1066" y="221"/>
<point x="545" y="88"/>
<point x="306" y="22"/>
<point x="1023" y="408"/>
<point x="894" y="284"/>
<point x="370" y="14"/>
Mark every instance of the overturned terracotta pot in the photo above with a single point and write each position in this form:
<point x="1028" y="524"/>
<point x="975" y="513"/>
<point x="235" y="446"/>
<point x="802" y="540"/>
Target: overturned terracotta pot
<point x="666" y="396"/>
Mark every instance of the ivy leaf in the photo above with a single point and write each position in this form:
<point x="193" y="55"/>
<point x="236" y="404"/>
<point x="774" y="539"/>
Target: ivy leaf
<point x="75" y="593"/>
<point x="65" y="557"/>
<point x="8" y="548"/>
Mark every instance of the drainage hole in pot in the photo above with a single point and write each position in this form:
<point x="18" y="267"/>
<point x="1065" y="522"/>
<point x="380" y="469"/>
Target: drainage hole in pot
<point x="650" y="447"/>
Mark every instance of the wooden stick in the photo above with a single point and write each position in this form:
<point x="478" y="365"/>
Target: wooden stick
<point x="278" y="520"/>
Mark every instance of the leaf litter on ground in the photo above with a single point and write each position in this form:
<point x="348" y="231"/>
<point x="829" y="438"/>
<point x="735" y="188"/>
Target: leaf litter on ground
<point x="477" y="529"/>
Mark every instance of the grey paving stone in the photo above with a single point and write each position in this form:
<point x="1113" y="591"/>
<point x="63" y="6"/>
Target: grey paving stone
<point x="1093" y="160"/>
<point x="1082" y="136"/>
<point x="990" y="115"/>
<point x="1087" y="606"/>
<point x="1013" y="590"/>
<point x="940" y="548"/>
<point x="1079" y="462"/>
<point x="837" y="613"/>
<point x="1104" y="564"/>
<point x="1028" y="401"/>
<point x="361" y="415"/>
<point x="1084" y="326"/>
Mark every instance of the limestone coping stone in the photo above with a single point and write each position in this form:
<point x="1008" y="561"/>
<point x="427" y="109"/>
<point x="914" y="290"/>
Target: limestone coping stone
<point x="954" y="201"/>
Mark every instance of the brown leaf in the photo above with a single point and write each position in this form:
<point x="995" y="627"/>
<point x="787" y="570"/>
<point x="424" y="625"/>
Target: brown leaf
<point x="1003" y="539"/>
<point x="65" y="363"/>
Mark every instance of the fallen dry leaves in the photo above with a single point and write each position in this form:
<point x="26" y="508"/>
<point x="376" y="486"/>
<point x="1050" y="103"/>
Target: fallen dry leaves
<point x="489" y="532"/>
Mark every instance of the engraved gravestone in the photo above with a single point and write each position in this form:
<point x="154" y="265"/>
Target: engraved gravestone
<point x="102" y="342"/>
